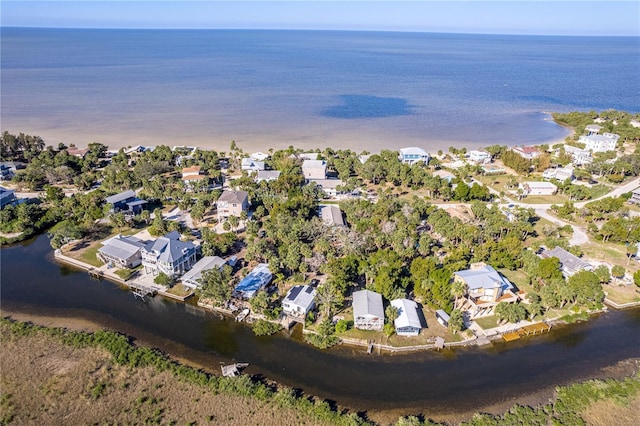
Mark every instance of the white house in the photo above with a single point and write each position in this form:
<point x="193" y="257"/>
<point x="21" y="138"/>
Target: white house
<point x="368" y="312"/>
<point x="168" y="255"/>
<point x="593" y="129"/>
<point x="485" y="287"/>
<point x="579" y="156"/>
<point x="413" y="155"/>
<point x="569" y="263"/>
<point x="600" y="143"/>
<point x="121" y="251"/>
<point x="267" y="175"/>
<point x="251" y="165"/>
<point x="330" y="187"/>
<point x="560" y="173"/>
<point x="194" y="275"/>
<point x="259" y="156"/>
<point x="408" y="322"/>
<point x="528" y="152"/>
<point x="635" y="196"/>
<point x="314" y="169"/>
<point x="299" y="301"/>
<point x="479" y="156"/>
<point x="538" y="188"/>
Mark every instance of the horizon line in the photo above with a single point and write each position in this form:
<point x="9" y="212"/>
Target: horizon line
<point x="313" y="29"/>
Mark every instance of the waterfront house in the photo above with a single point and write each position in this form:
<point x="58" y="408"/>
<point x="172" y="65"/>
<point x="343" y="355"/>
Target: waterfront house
<point x="330" y="187"/>
<point x="78" y="152"/>
<point x="485" y="288"/>
<point x="121" y="251"/>
<point x="445" y="175"/>
<point x="635" y="196"/>
<point x="592" y="129"/>
<point x="569" y="263"/>
<point x="126" y="202"/>
<point x="331" y="215"/>
<point x="408" y="322"/>
<point x="599" y="143"/>
<point x="194" y="275"/>
<point x="527" y="152"/>
<point x="299" y="301"/>
<point x="368" y="312"/>
<point x="7" y="197"/>
<point x="479" y="156"/>
<point x="308" y="156"/>
<point x="413" y="155"/>
<point x="443" y="318"/>
<point x="192" y="177"/>
<point x="168" y="255"/>
<point x="259" y="156"/>
<point x="314" y="169"/>
<point x="257" y="279"/>
<point x="232" y="203"/>
<point x="538" y="188"/>
<point x="252" y="165"/>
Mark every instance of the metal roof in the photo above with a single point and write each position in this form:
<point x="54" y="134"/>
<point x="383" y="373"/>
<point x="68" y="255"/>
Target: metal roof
<point x="120" y="197"/>
<point x="169" y="247"/>
<point x="367" y="303"/>
<point x="484" y="277"/>
<point x="205" y="264"/>
<point x="301" y="295"/>
<point x="257" y="278"/>
<point x="407" y="313"/>
<point x="121" y="247"/>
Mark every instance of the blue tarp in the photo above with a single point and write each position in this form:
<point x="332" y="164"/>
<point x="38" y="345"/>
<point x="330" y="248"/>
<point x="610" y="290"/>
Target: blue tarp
<point x="257" y="279"/>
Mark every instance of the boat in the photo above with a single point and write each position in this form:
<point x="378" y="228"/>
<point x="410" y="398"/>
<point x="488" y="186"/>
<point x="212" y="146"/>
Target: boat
<point x="242" y="315"/>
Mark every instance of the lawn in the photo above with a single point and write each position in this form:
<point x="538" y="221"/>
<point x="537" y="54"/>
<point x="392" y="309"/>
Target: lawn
<point x="487" y="322"/>
<point x="519" y="278"/>
<point x="181" y="290"/>
<point x="87" y="254"/>
<point x="621" y="294"/>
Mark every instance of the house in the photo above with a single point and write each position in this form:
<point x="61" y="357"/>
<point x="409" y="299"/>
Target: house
<point x="569" y="263"/>
<point x="192" y="277"/>
<point x="299" y="301"/>
<point x="308" y="156"/>
<point x="267" y="175"/>
<point x="77" y="152"/>
<point x="232" y="203"/>
<point x="330" y="187"/>
<point x="527" y="152"/>
<point x="600" y="143"/>
<point x="258" y="278"/>
<point x="485" y="287"/>
<point x="592" y="129"/>
<point x="121" y="251"/>
<point x="314" y="169"/>
<point x="413" y="155"/>
<point x="537" y="188"/>
<point x="331" y="215"/>
<point x="493" y="170"/>
<point x="126" y="202"/>
<point x="8" y="169"/>
<point x="408" y="322"/>
<point x="443" y="318"/>
<point x="579" y="156"/>
<point x="7" y="197"/>
<point x="259" y="156"/>
<point x="191" y="176"/>
<point x="168" y="255"/>
<point x="479" y="156"/>
<point x="368" y="313"/>
<point x="635" y="196"/>
<point x="251" y="165"/>
<point x="560" y="173"/>
<point x="444" y="174"/>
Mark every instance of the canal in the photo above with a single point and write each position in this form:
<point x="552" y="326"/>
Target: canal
<point x="463" y="379"/>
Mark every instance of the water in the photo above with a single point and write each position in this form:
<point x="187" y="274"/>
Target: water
<point x="362" y="90"/>
<point x="437" y="382"/>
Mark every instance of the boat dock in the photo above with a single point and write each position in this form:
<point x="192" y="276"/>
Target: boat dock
<point x="529" y="330"/>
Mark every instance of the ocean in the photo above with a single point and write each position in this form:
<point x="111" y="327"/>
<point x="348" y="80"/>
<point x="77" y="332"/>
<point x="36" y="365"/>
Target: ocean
<point x="267" y="88"/>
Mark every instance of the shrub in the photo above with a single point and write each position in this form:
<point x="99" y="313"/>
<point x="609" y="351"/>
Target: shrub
<point x="265" y="328"/>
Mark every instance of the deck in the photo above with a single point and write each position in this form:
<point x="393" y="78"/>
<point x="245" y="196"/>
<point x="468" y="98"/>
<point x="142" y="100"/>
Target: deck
<point x="529" y="330"/>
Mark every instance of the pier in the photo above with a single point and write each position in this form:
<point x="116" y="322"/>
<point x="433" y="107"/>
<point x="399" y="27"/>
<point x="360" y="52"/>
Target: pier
<point x="529" y="330"/>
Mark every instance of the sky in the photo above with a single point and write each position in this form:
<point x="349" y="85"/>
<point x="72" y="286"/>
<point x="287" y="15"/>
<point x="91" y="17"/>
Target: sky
<point x="610" y="18"/>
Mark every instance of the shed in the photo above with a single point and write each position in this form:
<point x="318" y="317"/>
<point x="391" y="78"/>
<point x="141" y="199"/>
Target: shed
<point x="443" y="317"/>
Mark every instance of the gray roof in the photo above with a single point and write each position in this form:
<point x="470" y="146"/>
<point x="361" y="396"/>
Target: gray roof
<point x="366" y="302"/>
<point x="202" y="265"/>
<point x="442" y="314"/>
<point x="120" y="197"/>
<point x="484" y="277"/>
<point x="407" y="313"/>
<point x="314" y="164"/>
<point x="169" y="247"/>
<point x="301" y="295"/>
<point x="331" y="215"/>
<point x="268" y="174"/>
<point x="237" y="197"/>
<point x="570" y="262"/>
<point x="121" y="247"/>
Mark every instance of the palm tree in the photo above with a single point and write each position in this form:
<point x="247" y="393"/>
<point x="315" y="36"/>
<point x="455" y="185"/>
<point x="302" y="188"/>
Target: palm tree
<point x="458" y="289"/>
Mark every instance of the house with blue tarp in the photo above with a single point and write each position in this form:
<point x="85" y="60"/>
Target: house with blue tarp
<point x="257" y="279"/>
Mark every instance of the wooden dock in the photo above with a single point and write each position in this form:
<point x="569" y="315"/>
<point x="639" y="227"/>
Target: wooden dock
<point x="529" y="330"/>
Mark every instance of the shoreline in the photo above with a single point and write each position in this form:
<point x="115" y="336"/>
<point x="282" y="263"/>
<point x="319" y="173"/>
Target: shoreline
<point x="621" y="369"/>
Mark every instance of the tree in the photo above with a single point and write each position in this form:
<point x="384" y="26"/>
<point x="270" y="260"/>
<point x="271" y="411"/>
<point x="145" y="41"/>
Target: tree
<point x="586" y="286"/>
<point x="163" y="279"/>
<point x="325" y="336"/>
<point x="617" y="271"/>
<point x="603" y="273"/>
<point x="549" y="269"/>
<point x="259" y="302"/>
<point x="636" y="278"/>
<point x="234" y="221"/>
<point x="456" y="321"/>
<point x="215" y="284"/>
<point x="329" y="297"/>
<point x="63" y="232"/>
<point x="391" y="313"/>
<point x="458" y="290"/>
<point x="158" y="226"/>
